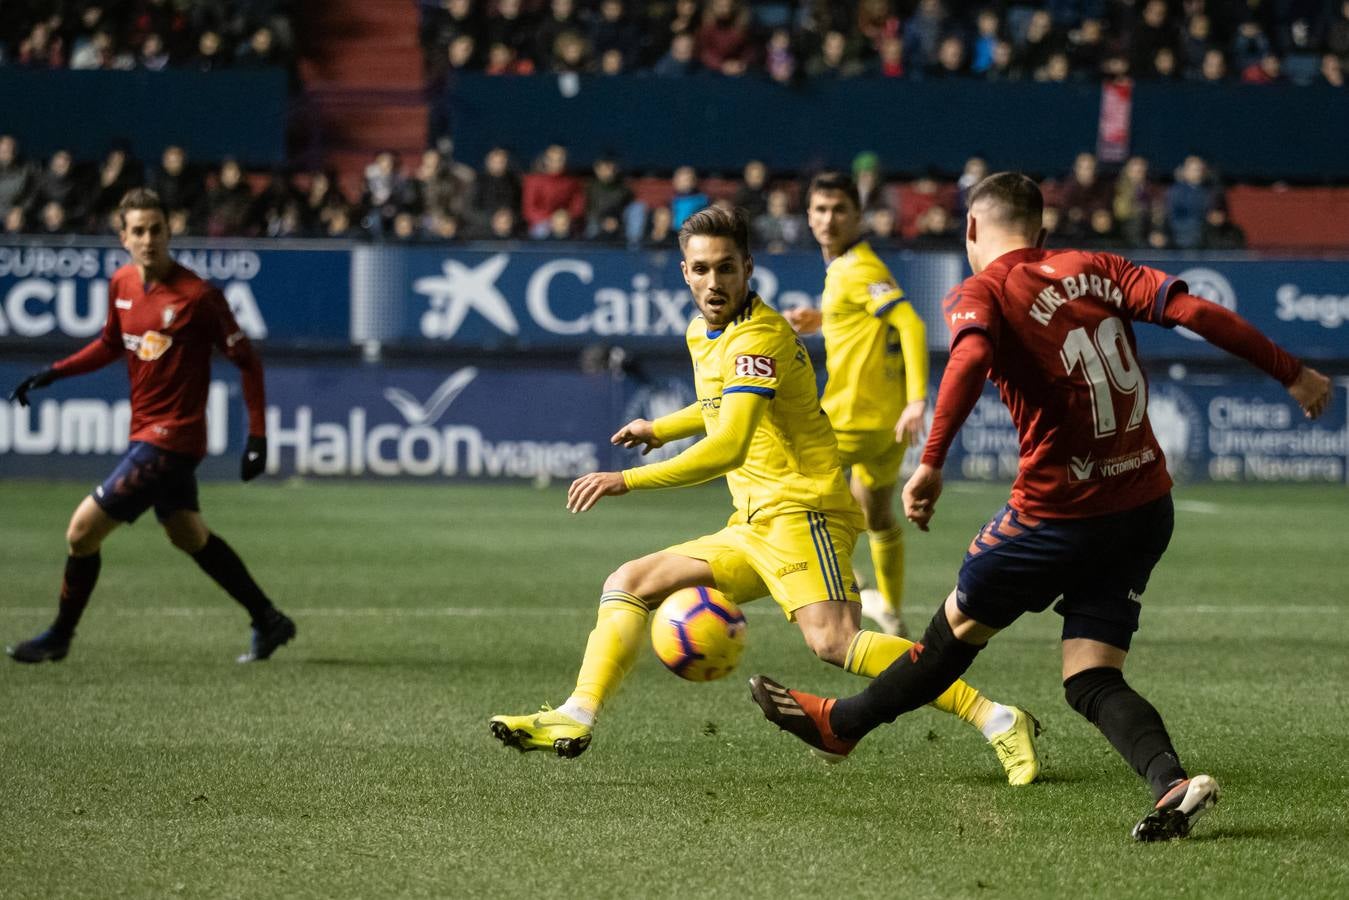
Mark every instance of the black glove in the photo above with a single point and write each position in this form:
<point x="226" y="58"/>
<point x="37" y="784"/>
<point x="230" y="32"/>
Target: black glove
<point x="41" y="379"/>
<point x="254" y="462"/>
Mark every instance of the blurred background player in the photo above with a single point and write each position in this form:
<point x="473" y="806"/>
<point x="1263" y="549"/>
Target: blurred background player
<point x="1090" y="513"/>
<point x="876" y="396"/>
<point x="165" y="321"/>
<point x="794" y="526"/>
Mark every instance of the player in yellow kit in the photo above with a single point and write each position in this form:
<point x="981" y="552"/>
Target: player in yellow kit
<point x="792" y="533"/>
<point x="876" y="396"/>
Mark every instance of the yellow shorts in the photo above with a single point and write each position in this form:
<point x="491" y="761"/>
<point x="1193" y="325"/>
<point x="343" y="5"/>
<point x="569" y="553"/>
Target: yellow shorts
<point x="874" y="456"/>
<point x="796" y="558"/>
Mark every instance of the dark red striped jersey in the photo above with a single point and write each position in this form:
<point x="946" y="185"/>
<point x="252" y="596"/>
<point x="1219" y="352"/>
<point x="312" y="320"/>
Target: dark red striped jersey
<point x="166" y="331"/>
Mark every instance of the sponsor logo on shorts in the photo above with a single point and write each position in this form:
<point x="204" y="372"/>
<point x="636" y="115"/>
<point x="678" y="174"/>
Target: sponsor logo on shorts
<point x="751" y="366"/>
<point x="793" y="567"/>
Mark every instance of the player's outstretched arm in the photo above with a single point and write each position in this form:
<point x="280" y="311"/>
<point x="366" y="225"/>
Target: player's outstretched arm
<point x="650" y="435"/>
<point x="1225" y="329"/>
<point x="804" y="319"/>
<point x="715" y="455"/>
<point x="37" y="380"/>
<point x="587" y="490"/>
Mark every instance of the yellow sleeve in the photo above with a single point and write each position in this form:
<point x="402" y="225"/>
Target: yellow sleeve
<point x="913" y="344"/>
<point x="714" y="455"/>
<point x="877" y="289"/>
<point x="681" y="424"/>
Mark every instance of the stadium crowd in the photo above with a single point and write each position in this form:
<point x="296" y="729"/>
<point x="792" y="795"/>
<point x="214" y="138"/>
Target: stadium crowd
<point x="1256" y="42"/>
<point x="204" y="35"/>
<point x="442" y="199"/>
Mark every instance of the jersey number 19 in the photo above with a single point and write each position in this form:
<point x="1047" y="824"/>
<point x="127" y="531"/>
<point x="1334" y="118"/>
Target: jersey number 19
<point x="1108" y="365"/>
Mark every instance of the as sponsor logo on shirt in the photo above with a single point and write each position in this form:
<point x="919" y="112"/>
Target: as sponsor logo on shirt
<point x="149" y="346"/>
<point x="750" y="366"/>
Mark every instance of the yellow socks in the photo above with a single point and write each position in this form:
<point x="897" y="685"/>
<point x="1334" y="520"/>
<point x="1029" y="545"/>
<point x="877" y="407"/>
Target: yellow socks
<point x="871" y="653"/>
<point x="887" y="558"/>
<point x="611" y="650"/>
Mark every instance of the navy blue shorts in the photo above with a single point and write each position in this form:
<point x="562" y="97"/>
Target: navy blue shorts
<point x="1099" y="566"/>
<point x="148" y="476"/>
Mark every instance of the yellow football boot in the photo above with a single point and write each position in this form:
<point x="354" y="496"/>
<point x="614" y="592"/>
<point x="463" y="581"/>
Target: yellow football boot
<point x="546" y="729"/>
<point x="1016" y="748"/>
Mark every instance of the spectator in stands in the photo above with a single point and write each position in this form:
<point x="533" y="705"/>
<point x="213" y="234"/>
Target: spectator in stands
<point x="681" y="59"/>
<point x="502" y="59"/>
<point x="1101" y="233"/>
<point x="160" y="17"/>
<point x="725" y="41"/>
<point x="950" y="62"/>
<point x="752" y="194"/>
<point x="511" y="24"/>
<point x="1086" y="47"/>
<point x="324" y="193"/>
<point x="922" y="32"/>
<point x="100" y="52"/>
<point x="975" y="170"/>
<point x="17" y="178"/>
<point x="780" y="57"/>
<point x="1269" y="70"/>
<point x="571" y="53"/>
<point x="153" y="56"/>
<point x="661" y="233"/>
<point x="42" y="49"/>
<point x="57" y="184"/>
<point x="778" y="229"/>
<point x="884" y="233"/>
<point x="606" y="199"/>
<point x="560" y="226"/>
<point x="503" y="225"/>
<point x="228" y="205"/>
<point x="688" y="199"/>
<point x="835" y="59"/>
<point x="866" y="174"/>
<point x="460" y="55"/>
<point x="1220" y="232"/>
<point x="549" y="188"/>
<point x="1132" y="205"/>
<point x="1331" y="73"/>
<point x="561" y="17"/>
<point x="614" y="30"/>
<point x="890" y="63"/>
<point x="440" y="226"/>
<point x="339" y="224"/>
<point x="437" y="187"/>
<point x="1214" y="69"/>
<point x="1164" y="65"/>
<point x="15" y="221"/>
<point x="497" y="187"/>
<point x="1187" y="203"/>
<point x="285" y="222"/>
<point x="446" y="20"/>
<point x="1040" y="42"/>
<point x="1249" y="46"/>
<point x="1003" y="66"/>
<point x="210" y="55"/>
<point x="1084" y="192"/>
<point x="1337" y="32"/>
<point x="877" y="22"/>
<point x="117" y="174"/>
<point x="936" y="230"/>
<point x="988" y="28"/>
<point x="260" y="51"/>
<point x="383" y="190"/>
<point x="175" y="181"/>
<point x="52" y="219"/>
<point x="1197" y="42"/>
<point x="1153" y="31"/>
<point x="404" y="227"/>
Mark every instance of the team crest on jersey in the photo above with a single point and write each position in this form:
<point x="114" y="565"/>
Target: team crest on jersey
<point x="152" y="345"/>
<point x="167" y="316"/>
<point x="750" y="366"/>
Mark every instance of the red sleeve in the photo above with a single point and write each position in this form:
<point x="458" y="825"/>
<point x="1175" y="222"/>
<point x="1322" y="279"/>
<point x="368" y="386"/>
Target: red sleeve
<point x="533" y="207"/>
<point x="1225" y="329"/>
<point x="961" y="385"/>
<point x="106" y="348"/>
<point x="1144" y="290"/>
<point x="578" y="201"/>
<point x="230" y="339"/>
<point x="971" y="306"/>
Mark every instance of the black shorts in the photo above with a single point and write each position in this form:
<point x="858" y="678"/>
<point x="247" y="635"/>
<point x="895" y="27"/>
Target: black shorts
<point x="1099" y="566"/>
<point x="148" y="476"/>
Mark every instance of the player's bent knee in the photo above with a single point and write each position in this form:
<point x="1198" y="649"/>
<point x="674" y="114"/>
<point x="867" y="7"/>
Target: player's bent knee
<point x="830" y="645"/>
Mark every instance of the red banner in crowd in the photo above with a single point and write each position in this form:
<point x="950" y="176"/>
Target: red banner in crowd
<point x="1116" y="121"/>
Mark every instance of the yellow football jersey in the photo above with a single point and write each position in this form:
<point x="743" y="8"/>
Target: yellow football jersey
<point x="792" y="464"/>
<point x="867" y="388"/>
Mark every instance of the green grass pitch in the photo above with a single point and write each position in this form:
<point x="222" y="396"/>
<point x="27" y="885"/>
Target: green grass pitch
<point x="358" y="762"/>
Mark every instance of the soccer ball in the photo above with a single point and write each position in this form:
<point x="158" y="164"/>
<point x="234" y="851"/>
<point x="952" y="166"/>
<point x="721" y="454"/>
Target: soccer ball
<point x="699" y="634"/>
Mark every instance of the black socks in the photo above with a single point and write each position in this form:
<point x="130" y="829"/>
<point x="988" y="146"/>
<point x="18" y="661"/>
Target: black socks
<point x="78" y="583"/>
<point x="1131" y="724"/>
<point x="219" y="560"/>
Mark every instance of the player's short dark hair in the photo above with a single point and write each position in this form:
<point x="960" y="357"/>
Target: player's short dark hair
<point x="139" y="198"/>
<point x="1014" y="201"/>
<point x="835" y="181"/>
<point x="717" y="222"/>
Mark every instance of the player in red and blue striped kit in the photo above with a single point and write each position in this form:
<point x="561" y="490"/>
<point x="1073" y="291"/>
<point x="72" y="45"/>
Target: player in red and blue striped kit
<point x="165" y="321"/>
<point x="1090" y="513"/>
